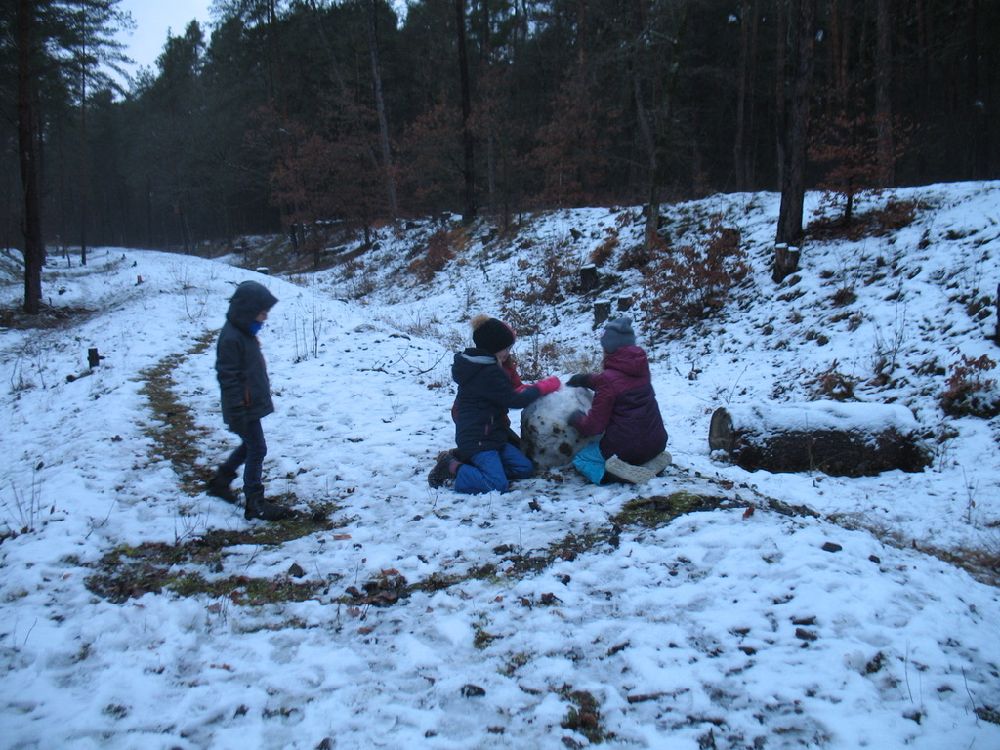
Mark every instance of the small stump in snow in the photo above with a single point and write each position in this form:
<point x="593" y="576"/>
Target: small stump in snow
<point x="839" y="439"/>
<point x="546" y="437"/>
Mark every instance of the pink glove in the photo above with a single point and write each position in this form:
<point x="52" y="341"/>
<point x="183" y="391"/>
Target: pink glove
<point x="548" y="385"/>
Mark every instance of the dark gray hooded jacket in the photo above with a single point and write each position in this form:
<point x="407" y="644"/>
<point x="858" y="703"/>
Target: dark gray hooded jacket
<point x="239" y="363"/>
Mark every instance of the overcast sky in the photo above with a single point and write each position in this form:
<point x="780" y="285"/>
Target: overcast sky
<point x="153" y="18"/>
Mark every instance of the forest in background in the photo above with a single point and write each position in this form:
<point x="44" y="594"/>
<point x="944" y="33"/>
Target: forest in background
<point x="292" y="112"/>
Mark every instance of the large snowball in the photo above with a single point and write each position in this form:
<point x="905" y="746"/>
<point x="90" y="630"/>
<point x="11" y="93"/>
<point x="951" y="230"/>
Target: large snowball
<point x="546" y="437"/>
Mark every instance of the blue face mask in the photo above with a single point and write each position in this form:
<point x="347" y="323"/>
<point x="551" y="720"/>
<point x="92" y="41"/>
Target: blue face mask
<point x="255" y="327"/>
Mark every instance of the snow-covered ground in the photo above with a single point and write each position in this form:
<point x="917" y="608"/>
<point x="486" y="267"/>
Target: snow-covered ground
<point x="141" y="613"/>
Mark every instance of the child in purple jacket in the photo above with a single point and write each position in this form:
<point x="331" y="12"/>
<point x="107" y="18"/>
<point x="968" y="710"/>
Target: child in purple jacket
<point x="624" y="413"/>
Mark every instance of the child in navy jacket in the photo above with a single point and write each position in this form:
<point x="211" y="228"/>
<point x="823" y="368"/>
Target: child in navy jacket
<point x="484" y="459"/>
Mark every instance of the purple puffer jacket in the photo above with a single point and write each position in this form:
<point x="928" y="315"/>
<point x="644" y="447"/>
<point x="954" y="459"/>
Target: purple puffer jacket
<point x="625" y="408"/>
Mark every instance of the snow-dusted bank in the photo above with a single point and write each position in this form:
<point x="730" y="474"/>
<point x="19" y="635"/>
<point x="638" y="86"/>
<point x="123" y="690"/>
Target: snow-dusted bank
<point x="688" y="613"/>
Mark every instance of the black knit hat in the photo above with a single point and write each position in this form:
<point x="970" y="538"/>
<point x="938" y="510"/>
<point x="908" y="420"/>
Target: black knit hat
<point x="493" y="335"/>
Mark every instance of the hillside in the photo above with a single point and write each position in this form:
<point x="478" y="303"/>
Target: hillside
<point x="712" y="608"/>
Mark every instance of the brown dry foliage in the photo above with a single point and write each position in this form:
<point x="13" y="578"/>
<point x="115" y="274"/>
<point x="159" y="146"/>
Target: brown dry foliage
<point x="692" y="283"/>
<point x="968" y="391"/>
<point x="603" y="252"/>
<point x="832" y="384"/>
<point x="878" y="222"/>
<point x="442" y="246"/>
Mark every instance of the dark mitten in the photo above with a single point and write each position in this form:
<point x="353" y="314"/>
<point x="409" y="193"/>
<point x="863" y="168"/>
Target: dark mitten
<point x="580" y="380"/>
<point x="575" y="417"/>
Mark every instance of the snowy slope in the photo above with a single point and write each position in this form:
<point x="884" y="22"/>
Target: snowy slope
<point x="141" y="613"/>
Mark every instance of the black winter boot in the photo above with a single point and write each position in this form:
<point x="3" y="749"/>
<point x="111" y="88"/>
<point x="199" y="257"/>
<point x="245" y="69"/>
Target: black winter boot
<point x="444" y="470"/>
<point x="218" y="486"/>
<point x="258" y="507"/>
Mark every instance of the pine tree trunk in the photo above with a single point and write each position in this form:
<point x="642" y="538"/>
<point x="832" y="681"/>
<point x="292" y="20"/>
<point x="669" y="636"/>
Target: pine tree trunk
<point x="32" y="221"/>
<point x="743" y="74"/>
<point x="795" y="131"/>
<point x="383" y="122"/>
<point x="977" y="97"/>
<point x="84" y="187"/>
<point x="883" y="97"/>
<point x="485" y="54"/>
<point x="469" y="207"/>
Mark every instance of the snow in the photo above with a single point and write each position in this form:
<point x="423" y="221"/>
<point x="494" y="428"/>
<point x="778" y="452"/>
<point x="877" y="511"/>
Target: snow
<point x="823" y="414"/>
<point x="779" y="610"/>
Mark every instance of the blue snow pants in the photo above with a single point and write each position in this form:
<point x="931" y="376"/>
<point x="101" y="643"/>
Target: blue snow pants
<point x="490" y="471"/>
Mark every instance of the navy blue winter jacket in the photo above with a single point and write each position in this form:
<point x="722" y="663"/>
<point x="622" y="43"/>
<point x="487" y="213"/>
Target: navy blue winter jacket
<point x="239" y="363"/>
<point x="485" y="393"/>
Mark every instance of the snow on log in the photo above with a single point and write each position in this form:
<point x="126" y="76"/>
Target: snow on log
<point x="840" y="439"/>
<point x="546" y="437"/>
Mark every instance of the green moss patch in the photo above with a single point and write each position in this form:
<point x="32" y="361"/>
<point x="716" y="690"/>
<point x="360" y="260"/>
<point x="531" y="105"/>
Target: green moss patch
<point x="662" y="509"/>
<point x="130" y="571"/>
<point x="174" y="433"/>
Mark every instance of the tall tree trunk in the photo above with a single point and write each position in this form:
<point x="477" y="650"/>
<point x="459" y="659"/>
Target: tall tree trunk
<point x="739" y="142"/>
<point x="469" y="204"/>
<point x="185" y="229"/>
<point x="645" y="117"/>
<point x="84" y="186"/>
<point x="485" y="55"/>
<point x="978" y="99"/>
<point x="149" y="211"/>
<point x="883" y="97"/>
<point x="34" y="251"/>
<point x="780" y="81"/>
<point x="751" y="139"/>
<point x="383" y="122"/>
<point x="271" y="51"/>
<point x="801" y="33"/>
<point x="650" y="119"/>
<point x="843" y="13"/>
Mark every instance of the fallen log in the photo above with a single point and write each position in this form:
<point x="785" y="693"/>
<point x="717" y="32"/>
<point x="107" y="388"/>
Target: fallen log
<point x="839" y="439"/>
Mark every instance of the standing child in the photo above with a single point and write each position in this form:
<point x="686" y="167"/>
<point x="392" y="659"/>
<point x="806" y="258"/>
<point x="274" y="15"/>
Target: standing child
<point x="484" y="459"/>
<point x="624" y="413"/>
<point x="246" y="399"/>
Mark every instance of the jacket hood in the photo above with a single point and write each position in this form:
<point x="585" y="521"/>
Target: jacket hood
<point x="469" y="363"/>
<point x="249" y="300"/>
<point x="630" y="360"/>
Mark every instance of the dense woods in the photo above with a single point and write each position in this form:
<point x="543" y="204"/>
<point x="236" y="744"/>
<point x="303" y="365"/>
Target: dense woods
<point x="285" y="113"/>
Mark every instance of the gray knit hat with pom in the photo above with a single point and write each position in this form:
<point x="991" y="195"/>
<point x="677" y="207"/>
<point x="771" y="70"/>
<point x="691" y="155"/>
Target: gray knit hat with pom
<point x="617" y="333"/>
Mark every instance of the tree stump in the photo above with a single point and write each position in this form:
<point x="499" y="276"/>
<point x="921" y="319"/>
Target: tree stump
<point x="852" y="439"/>
<point x="547" y="438"/>
<point x="602" y="311"/>
<point x="625" y="302"/>
<point x="786" y="261"/>
<point x="588" y="278"/>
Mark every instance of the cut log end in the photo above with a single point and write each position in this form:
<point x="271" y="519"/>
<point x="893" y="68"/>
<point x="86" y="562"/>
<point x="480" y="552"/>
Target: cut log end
<point x="720" y="431"/>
